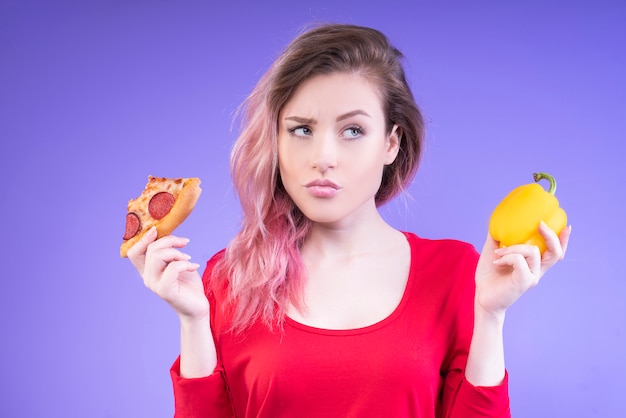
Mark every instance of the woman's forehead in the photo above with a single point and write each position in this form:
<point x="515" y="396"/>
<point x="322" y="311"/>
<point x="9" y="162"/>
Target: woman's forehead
<point x="334" y="94"/>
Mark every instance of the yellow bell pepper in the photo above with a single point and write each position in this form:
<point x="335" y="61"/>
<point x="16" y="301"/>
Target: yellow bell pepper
<point x="516" y="218"/>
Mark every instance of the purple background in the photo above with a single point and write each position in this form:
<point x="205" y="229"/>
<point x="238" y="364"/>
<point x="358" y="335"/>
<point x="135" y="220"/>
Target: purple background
<point x="96" y="95"/>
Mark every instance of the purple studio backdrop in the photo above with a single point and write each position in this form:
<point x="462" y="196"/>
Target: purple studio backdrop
<point x="97" y="95"/>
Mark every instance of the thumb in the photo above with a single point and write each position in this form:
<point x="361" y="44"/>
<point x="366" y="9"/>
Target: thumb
<point x="490" y="244"/>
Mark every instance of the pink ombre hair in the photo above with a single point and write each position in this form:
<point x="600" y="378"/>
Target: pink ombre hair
<point x="262" y="268"/>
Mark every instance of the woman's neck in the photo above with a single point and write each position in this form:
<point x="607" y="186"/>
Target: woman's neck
<point x="348" y="239"/>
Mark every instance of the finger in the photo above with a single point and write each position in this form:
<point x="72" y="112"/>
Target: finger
<point x="528" y="253"/>
<point x="165" y="256"/>
<point x="564" y="238"/>
<point x="488" y="250"/>
<point x="137" y="253"/>
<point x="523" y="269"/>
<point x="141" y="246"/>
<point x="554" y="248"/>
<point x="164" y="250"/>
<point x="158" y="261"/>
<point x="526" y="250"/>
<point x="175" y="268"/>
<point x="490" y="244"/>
<point x="168" y="241"/>
<point x="174" y="272"/>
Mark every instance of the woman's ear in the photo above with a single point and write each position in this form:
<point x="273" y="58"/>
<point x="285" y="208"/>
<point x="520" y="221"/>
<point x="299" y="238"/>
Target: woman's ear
<point x="392" y="144"/>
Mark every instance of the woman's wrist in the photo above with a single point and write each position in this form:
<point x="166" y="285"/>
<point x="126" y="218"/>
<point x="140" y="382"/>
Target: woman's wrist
<point x="192" y="321"/>
<point x="485" y="363"/>
<point x="488" y="318"/>
<point x="197" y="349"/>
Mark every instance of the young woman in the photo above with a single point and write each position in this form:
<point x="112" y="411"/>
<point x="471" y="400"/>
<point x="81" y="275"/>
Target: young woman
<point x="318" y="307"/>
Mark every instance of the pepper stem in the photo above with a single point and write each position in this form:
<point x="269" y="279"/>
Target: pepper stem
<point x="540" y="176"/>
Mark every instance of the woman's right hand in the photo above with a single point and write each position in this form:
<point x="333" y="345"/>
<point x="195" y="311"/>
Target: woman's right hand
<point x="169" y="273"/>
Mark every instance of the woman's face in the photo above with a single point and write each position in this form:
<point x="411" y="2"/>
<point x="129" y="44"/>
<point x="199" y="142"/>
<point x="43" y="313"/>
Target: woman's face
<point x="333" y="146"/>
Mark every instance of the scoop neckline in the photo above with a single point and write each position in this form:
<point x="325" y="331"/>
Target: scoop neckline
<point x="376" y="325"/>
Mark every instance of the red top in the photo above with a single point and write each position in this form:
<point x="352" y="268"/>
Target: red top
<point x="410" y="364"/>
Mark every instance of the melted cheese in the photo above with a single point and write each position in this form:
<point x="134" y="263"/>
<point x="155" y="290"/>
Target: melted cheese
<point x="139" y="206"/>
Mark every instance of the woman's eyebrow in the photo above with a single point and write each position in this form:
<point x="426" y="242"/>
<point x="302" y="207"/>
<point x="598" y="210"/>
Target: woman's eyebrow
<point x="300" y="119"/>
<point x="311" y="121"/>
<point x="352" y="113"/>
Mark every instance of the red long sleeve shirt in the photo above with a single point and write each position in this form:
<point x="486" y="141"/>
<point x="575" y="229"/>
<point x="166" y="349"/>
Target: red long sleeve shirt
<point x="410" y="364"/>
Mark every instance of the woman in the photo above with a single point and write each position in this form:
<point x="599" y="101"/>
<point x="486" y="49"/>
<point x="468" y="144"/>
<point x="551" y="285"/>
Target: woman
<point x="318" y="307"/>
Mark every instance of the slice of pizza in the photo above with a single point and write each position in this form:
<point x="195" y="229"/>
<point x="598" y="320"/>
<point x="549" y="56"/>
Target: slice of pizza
<point x="164" y="203"/>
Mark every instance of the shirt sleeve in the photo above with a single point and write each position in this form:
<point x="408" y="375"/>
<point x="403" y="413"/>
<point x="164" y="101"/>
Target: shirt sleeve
<point x="200" y="397"/>
<point x="460" y="398"/>
<point x="469" y="401"/>
<point x="203" y="396"/>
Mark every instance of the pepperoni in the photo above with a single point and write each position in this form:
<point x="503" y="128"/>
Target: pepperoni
<point x="160" y="204"/>
<point x="133" y="225"/>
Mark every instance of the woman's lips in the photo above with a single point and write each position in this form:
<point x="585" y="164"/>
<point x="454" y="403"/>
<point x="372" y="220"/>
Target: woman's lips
<point x="322" y="188"/>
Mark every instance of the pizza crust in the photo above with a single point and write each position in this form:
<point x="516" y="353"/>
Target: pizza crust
<point x="184" y="202"/>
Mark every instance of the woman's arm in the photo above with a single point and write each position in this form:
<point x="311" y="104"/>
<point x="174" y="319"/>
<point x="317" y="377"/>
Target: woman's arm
<point x="502" y="276"/>
<point x="198" y="356"/>
<point x="169" y="273"/>
<point x="485" y="361"/>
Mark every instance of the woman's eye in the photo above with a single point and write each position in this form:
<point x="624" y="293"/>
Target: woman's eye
<point x="300" y="131"/>
<point x="353" y="132"/>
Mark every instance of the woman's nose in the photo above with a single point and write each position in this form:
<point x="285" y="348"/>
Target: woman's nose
<point x="325" y="154"/>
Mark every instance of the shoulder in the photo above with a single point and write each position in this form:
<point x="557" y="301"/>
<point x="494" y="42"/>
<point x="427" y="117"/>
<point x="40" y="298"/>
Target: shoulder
<point x="216" y="289"/>
<point x="441" y="250"/>
<point x="444" y="269"/>
<point x="215" y="259"/>
<point x="443" y="263"/>
<point x="213" y="272"/>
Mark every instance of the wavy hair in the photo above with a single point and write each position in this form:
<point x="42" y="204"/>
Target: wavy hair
<point x="262" y="269"/>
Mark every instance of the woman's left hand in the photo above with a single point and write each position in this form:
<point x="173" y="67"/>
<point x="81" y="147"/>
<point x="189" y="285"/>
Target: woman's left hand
<point x="504" y="274"/>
